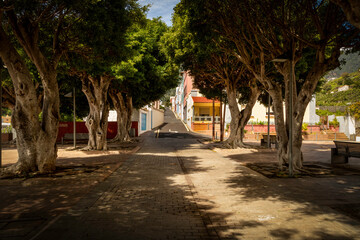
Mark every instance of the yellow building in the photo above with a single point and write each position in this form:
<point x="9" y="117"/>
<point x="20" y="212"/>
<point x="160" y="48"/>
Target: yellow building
<point x="6" y="119"/>
<point x="203" y="110"/>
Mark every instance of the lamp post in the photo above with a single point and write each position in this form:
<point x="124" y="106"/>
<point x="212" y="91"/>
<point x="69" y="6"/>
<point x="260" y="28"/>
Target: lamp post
<point x="0" y="118"/>
<point x="72" y="94"/>
<point x="268" y="136"/>
<point x="282" y="59"/>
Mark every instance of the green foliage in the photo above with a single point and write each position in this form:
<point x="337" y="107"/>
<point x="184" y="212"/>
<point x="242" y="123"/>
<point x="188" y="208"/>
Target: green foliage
<point x="339" y="113"/>
<point x="66" y="86"/>
<point x="330" y="96"/>
<point x="304" y="126"/>
<point x="355" y="110"/>
<point x="227" y="127"/>
<point x="101" y="35"/>
<point x="7" y="129"/>
<point x="69" y="118"/>
<point x="166" y="97"/>
<point x="5" y="112"/>
<point x="334" y="123"/>
<point x="322" y="113"/>
<point x="257" y="122"/>
<point x="147" y="75"/>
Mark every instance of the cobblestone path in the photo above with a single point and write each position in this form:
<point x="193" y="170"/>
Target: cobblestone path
<point x="148" y="197"/>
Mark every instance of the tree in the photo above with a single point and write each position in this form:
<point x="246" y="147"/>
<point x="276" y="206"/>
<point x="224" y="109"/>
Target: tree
<point x="143" y="78"/>
<point x="264" y="30"/>
<point x="319" y="27"/>
<point x="202" y="51"/>
<point x="36" y="32"/>
<point x="102" y="44"/>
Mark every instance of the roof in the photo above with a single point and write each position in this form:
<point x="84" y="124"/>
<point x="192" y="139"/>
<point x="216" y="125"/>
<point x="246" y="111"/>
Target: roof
<point x="202" y="100"/>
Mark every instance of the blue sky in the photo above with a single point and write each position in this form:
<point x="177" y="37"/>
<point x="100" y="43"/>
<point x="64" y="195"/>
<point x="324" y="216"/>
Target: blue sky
<point x="163" y="8"/>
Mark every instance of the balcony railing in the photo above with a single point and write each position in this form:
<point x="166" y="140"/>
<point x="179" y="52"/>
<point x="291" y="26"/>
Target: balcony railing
<point x="206" y="119"/>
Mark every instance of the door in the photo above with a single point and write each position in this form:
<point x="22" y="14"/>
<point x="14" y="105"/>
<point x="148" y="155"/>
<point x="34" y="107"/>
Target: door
<point x="143" y="121"/>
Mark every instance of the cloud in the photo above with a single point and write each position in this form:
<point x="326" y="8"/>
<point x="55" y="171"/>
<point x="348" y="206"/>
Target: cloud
<point x="163" y="8"/>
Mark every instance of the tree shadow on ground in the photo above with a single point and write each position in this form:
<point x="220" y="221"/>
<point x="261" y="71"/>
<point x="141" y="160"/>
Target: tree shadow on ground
<point x="147" y="198"/>
<point x="31" y="202"/>
<point x="313" y="197"/>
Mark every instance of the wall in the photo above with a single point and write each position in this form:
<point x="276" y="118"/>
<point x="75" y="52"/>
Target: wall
<point x="67" y="127"/>
<point x="310" y="113"/>
<point x="259" y="113"/>
<point x="346" y="123"/>
<point x="157" y="117"/>
<point x="148" y="120"/>
<point x="135" y="115"/>
<point x="188" y="84"/>
<point x="190" y="110"/>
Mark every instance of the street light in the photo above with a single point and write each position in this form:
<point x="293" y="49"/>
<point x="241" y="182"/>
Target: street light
<point x="72" y="94"/>
<point x="0" y="118"/>
<point x="281" y="59"/>
<point x="268" y="136"/>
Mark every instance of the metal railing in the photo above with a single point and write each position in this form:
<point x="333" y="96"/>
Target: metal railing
<point x="206" y="118"/>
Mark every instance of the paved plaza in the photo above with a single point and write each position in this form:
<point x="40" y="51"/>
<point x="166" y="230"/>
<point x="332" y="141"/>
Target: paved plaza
<point x="175" y="187"/>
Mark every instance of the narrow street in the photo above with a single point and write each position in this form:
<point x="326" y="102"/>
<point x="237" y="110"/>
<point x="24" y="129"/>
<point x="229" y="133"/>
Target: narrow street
<point x="177" y="188"/>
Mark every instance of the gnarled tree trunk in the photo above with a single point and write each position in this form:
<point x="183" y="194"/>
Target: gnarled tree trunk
<point x="95" y="90"/>
<point x="300" y="101"/>
<point x="123" y="107"/>
<point x="36" y="139"/>
<point x="239" y="118"/>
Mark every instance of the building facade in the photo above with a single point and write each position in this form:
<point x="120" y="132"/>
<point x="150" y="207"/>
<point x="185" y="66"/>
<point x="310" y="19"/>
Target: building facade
<point x="197" y="111"/>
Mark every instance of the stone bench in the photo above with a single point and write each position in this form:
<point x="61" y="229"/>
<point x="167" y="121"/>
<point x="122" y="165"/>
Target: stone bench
<point x="343" y="150"/>
<point x="79" y="136"/>
<point x="264" y="140"/>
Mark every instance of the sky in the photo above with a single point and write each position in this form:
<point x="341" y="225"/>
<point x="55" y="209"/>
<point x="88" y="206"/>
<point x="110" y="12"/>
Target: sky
<point x="163" y="8"/>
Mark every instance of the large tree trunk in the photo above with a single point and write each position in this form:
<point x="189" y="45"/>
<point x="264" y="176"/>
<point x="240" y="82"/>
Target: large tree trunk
<point x="36" y="139"/>
<point x="95" y="90"/>
<point x="300" y="101"/>
<point x="280" y="125"/>
<point x="239" y="118"/>
<point x="123" y="107"/>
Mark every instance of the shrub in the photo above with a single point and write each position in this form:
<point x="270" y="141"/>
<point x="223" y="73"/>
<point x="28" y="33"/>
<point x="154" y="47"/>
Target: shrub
<point x="334" y="123"/>
<point x="7" y="129"/>
<point x="227" y="127"/>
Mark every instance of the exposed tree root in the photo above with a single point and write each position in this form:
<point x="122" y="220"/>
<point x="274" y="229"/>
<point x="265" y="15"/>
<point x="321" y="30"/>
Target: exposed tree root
<point x="117" y="139"/>
<point x="236" y="144"/>
<point x="16" y="170"/>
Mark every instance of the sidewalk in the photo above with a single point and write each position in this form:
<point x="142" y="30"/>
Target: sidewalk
<point x="243" y="204"/>
<point x="150" y="197"/>
<point x="175" y="187"/>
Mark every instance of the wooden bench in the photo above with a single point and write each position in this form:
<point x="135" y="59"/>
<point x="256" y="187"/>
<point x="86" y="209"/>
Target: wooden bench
<point x="264" y="140"/>
<point x="344" y="150"/>
<point x="79" y="137"/>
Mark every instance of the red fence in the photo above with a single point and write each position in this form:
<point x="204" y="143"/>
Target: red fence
<point x="68" y="127"/>
<point x="263" y="128"/>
